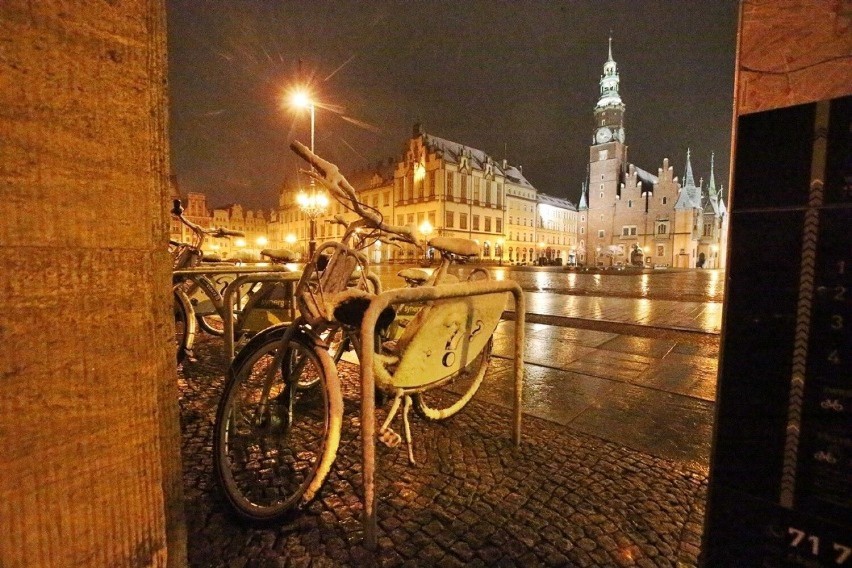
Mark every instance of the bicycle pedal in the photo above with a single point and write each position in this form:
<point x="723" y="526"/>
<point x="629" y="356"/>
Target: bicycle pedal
<point x="390" y="438"/>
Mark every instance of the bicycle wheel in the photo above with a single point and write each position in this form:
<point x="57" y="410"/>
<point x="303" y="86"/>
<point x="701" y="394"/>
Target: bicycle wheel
<point x="445" y="401"/>
<point x="211" y="324"/>
<point x="274" y="444"/>
<point x="184" y="327"/>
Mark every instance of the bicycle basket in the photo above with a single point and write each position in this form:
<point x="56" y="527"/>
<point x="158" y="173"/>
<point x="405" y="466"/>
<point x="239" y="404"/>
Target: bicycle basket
<point x="319" y="290"/>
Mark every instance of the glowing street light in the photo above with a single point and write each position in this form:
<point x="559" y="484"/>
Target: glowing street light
<point x="312" y="204"/>
<point x="261" y="241"/>
<point x="426" y="230"/>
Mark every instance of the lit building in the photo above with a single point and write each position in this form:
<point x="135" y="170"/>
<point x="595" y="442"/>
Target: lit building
<point x="445" y="188"/>
<point x="233" y="217"/>
<point x="628" y="215"/>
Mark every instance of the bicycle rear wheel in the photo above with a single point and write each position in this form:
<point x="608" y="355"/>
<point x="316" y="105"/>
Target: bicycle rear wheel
<point x="274" y="443"/>
<point x="445" y="401"/>
<point x="184" y="327"/>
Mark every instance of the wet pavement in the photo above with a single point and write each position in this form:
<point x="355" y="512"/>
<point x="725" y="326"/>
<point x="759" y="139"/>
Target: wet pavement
<point x="611" y="471"/>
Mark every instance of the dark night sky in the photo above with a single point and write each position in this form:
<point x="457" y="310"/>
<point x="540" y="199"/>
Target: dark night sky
<point x="489" y="74"/>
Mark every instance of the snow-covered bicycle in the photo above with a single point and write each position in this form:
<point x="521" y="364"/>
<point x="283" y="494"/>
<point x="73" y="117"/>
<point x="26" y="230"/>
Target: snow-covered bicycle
<point x="278" y="422"/>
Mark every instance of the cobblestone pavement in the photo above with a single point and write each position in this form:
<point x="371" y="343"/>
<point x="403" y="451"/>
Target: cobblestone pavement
<point x="564" y="498"/>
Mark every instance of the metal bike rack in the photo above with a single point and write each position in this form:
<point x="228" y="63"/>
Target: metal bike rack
<point x="245" y="274"/>
<point x="289" y="278"/>
<point x="368" y="401"/>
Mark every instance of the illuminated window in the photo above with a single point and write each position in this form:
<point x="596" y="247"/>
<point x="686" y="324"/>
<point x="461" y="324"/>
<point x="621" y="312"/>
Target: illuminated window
<point x="601" y="233"/>
<point x="462" y="220"/>
<point x="449" y="219"/>
<point x="475" y="223"/>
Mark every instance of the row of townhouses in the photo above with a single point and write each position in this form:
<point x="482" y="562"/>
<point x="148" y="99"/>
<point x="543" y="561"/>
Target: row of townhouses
<point x="626" y="215"/>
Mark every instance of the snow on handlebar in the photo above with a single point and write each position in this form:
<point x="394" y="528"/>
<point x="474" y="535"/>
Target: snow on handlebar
<point x="329" y="176"/>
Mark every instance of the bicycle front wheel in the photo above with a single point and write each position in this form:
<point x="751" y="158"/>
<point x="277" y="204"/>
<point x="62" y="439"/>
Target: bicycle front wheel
<point x="445" y="401"/>
<point x="273" y="442"/>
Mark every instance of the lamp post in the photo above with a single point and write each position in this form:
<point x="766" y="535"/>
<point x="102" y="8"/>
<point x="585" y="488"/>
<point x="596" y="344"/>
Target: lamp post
<point x="500" y="243"/>
<point x="313" y="203"/>
<point x="426" y="230"/>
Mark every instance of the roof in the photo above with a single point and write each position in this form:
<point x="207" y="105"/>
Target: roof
<point x="514" y="175"/>
<point x="555" y="201"/>
<point x="453" y="152"/>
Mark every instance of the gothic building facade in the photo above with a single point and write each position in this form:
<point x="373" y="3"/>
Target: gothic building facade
<point x="628" y="215"/>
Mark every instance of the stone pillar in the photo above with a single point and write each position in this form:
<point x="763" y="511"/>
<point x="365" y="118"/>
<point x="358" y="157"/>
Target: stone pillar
<point x="90" y="467"/>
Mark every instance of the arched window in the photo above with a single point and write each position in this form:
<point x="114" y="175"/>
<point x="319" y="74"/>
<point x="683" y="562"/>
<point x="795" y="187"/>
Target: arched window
<point x="661" y="229"/>
<point x="486" y="249"/>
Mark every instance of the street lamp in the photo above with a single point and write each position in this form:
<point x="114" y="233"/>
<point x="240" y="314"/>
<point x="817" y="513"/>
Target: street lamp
<point x="313" y="203"/>
<point x="500" y="243"/>
<point x="426" y="230"/>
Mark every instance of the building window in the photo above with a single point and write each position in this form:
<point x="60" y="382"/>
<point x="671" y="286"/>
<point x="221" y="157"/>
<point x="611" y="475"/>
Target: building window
<point x="661" y="250"/>
<point x="432" y="183"/>
<point x="387" y="198"/>
<point x="487" y="224"/>
<point x="476" y="183"/>
<point x="602" y="195"/>
<point x="665" y="200"/>
<point x="629" y="203"/>
<point x="449" y="219"/>
<point x="499" y="222"/>
<point x="475" y="223"/>
<point x="603" y="155"/>
<point x="582" y="230"/>
<point x="628" y="231"/>
<point x="662" y="229"/>
<point x="462" y="220"/>
<point x="464" y="194"/>
<point x="601" y="233"/>
<point x="411" y="218"/>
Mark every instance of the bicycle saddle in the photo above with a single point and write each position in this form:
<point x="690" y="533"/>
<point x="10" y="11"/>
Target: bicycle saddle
<point x="413" y="275"/>
<point x="280" y="255"/>
<point x="455" y="245"/>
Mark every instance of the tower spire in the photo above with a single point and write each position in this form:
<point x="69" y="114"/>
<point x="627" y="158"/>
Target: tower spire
<point x="688" y="178"/>
<point x="711" y="187"/>
<point x="610" y="46"/>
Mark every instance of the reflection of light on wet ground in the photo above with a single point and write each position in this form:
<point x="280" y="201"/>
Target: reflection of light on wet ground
<point x="572" y="279"/>
<point x="642" y="309"/>
<point x="541" y="279"/>
<point x="498" y="274"/>
<point x="714" y="282"/>
<point x="643" y="285"/>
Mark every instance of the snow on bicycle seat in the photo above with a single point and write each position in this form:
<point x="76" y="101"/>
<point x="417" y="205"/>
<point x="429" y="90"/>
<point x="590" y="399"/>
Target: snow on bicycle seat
<point x="211" y="258"/>
<point x="413" y="274"/>
<point x="455" y="245"/>
<point x="280" y="255"/>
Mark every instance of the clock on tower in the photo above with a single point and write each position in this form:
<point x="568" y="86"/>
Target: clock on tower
<point x="603" y="135"/>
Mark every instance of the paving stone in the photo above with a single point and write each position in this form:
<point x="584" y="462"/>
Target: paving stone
<point x="563" y="498"/>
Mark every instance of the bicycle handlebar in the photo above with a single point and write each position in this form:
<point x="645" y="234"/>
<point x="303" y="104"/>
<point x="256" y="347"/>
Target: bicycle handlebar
<point x="329" y="176"/>
<point x="177" y="211"/>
